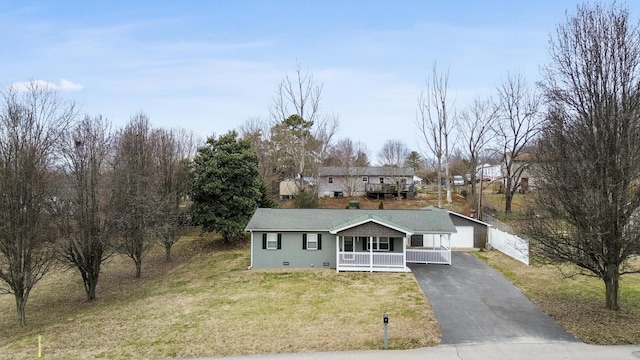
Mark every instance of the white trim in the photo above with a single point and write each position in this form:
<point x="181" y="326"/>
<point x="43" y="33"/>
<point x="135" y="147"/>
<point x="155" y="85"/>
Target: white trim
<point x="251" y="264"/>
<point x="315" y="241"/>
<point x="335" y="231"/>
<point x="469" y="218"/>
<point x="375" y="240"/>
<point x="275" y="247"/>
<point x="337" y="254"/>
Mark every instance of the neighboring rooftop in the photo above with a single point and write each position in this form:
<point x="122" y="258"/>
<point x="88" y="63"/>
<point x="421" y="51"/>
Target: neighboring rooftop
<point x="366" y="171"/>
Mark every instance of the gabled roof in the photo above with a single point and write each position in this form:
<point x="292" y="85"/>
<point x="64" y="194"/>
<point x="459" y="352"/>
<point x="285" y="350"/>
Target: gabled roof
<point x="366" y="171"/>
<point x="370" y="218"/>
<point x="431" y="207"/>
<point x="430" y="221"/>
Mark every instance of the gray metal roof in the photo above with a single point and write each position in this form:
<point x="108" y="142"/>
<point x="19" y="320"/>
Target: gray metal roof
<point x="428" y="221"/>
<point x="366" y="171"/>
<point x="431" y="207"/>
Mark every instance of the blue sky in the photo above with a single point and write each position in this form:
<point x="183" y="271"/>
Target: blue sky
<point x="208" y="66"/>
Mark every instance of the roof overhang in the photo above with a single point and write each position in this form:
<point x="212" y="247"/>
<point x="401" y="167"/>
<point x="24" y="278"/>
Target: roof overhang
<point x="370" y="219"/>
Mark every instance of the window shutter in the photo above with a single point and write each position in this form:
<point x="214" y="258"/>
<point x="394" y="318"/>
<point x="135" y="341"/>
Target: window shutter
<point x="391" y="241"/>
<point x="319" y="241"/>
<point x="279" y="241"/>
<point x="365" y="241"/>
<point x="264" y="240"/>
<point x="304" y="241"/>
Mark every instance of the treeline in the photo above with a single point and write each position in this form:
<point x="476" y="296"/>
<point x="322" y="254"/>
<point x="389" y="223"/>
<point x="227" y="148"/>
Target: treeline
<point x="76" y="191"/>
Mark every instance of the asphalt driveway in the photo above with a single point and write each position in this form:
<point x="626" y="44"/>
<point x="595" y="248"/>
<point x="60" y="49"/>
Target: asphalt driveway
<point x="475" y="304"/>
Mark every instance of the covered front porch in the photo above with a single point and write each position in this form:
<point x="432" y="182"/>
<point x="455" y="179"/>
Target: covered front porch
<point x="371" y="253"/>
<point x="379" y="247"/>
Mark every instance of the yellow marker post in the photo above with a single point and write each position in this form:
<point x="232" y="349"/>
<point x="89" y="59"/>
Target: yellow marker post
<point x="39" y="346"/>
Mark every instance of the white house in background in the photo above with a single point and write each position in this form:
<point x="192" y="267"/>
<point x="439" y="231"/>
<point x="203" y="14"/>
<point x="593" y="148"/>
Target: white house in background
<point x="489" y="172"/>
<point x="337" y="181"/>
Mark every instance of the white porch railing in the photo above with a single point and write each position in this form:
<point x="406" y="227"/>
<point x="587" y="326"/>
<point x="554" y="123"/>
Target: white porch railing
<point x="375" y="261"/>
<point x="440" y="256"/>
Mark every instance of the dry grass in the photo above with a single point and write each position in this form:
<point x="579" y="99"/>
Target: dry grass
<point x="576" y="303"/>
<point x="205" y="303"/>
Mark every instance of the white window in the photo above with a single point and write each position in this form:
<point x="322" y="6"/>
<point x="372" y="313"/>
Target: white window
<point x="347" y="243"/>
<point x="312" y="241"/>
<point x="330" y="180"/>
<point x="272" y="241"/>
<point x="381" y="180"/>
<point x="365" y="179"/>
<point x="379" y="244"/>
<point x="383" y="244"/>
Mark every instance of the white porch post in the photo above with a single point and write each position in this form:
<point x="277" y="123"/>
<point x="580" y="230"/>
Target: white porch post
<point x="251" y="264"/>
<point x="449" y="249"/>
<point x="404" y="251"/>
<point x="337" y="254"/>
<point x="370" y="253"/>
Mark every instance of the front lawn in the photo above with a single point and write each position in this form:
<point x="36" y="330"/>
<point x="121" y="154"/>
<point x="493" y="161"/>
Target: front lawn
<point x="206" y="303"/>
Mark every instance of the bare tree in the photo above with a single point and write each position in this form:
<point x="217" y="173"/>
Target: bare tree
<point x="477" y="121"/>
<point x="587" y="203"/>
<point x="172" y="152"/>
<point x="301" y="130"/>
<point x="351" y="160"/>
<point x="81" y="205"/>
<point x="31" y="124"/>
<point x="393" y="155"/>
<point x="134" y="197"/>
<point x="435" y="124"/>
<point x="517" y="126"/>
<point x="273" y="167"/>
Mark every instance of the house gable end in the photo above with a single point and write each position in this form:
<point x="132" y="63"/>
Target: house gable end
<point x="375" y="223"/>
<point x="371" y="228"/>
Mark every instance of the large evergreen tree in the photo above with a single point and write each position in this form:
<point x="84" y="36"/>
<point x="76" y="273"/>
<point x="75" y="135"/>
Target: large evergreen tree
<point x="226" y="187"/>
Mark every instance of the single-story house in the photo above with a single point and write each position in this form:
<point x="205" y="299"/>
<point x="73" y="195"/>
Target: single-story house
<point x="349" y="239"/>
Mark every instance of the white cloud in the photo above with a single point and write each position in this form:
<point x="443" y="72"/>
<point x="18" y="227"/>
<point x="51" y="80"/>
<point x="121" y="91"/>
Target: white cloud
<point x="65" y="85"/>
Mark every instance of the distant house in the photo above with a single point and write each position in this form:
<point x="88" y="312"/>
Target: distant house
<point x="349" y="240"/>
<point x="360" y="181"/>
<point x="488" y="172"/>
<point x="290" y="187"/>
<point x="522" y="165"/>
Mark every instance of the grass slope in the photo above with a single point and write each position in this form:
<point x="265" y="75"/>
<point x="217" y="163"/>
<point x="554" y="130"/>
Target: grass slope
<point x="205" y="303"/>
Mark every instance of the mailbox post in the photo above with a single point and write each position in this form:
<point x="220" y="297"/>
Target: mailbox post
<point x="385" y="320"/>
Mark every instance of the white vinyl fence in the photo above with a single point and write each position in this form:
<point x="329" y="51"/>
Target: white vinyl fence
<point x="512" y="245"/>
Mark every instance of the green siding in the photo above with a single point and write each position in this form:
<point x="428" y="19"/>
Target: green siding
<point x="293" y="253"/>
